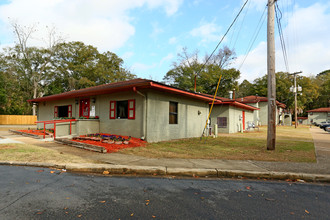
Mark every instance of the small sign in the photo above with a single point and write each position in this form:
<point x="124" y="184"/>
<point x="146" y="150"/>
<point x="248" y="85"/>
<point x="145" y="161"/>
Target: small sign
<point x="92" y="112"/>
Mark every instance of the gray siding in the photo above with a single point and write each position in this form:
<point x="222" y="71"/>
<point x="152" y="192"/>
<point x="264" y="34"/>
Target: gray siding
<point x="190" y="123"/>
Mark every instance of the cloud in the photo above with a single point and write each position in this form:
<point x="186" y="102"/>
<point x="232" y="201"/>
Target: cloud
<point x="127" y="55"/>
<point x="208" y="32"/>
<point x="307" y="41"/>
<point x="167" y="58"/>
<point x="172" y="40"/>
<point x="105" y="24"/>
<point x="156" y="30"/>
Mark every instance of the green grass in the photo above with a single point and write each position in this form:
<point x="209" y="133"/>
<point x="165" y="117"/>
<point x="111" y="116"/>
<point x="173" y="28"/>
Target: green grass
<point x="32" y="153"/>
<point x="292" y="145"/>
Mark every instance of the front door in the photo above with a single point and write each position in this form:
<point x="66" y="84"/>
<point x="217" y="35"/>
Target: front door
<point x="84" y="108"/>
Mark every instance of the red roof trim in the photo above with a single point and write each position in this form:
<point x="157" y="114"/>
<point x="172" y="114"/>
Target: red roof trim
<point x="320" y="110"/>
<point x="237" y="104"/>
<point x="120" y="86"/>
<point x="179" y="91"/>
<point x="256" y="99"/>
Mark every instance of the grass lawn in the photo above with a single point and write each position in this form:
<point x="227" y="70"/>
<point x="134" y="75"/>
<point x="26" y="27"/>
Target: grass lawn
<point x="32" y="153"/>
<point x="292" y="145"/>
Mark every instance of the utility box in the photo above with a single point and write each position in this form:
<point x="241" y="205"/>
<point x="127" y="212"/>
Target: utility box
<point x="215" y="130"/>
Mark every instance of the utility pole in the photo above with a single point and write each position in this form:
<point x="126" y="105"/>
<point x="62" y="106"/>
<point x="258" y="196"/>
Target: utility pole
<point x="271" y="131"/>
<point x="294" y="89"/>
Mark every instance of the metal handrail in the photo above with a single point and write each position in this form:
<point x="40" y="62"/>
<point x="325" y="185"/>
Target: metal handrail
<point x="55" y="122"/>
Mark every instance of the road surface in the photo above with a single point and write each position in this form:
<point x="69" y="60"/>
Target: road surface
<point x="38" y="193"/>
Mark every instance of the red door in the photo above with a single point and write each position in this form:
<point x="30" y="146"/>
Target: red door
<point x="84" y="108"/>
<point x="243" y="118"/>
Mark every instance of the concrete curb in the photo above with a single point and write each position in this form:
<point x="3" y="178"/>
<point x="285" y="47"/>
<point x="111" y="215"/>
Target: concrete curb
<point x="177" y="172"/>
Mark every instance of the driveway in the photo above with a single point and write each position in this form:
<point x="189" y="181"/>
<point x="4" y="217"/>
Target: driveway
<point x="322" y="144"/>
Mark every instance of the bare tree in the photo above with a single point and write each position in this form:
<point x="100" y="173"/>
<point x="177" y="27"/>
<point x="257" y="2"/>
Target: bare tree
<point x="35" y="61"/>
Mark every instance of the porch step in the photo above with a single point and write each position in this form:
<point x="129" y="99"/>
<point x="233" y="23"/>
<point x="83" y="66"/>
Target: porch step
<point x="81" y="145"/>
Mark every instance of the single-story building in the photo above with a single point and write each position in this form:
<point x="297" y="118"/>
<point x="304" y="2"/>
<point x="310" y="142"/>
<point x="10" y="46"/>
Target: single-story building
<point x="231" y="116"/>
<point x="261" y="116"/>
<point x="139" y="108"/>
<point x="318" y="115"/>
<point x="302" y="120"/>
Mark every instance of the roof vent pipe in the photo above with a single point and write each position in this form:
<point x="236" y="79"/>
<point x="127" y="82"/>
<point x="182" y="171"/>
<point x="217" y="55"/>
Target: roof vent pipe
<point x="231" y="94"/>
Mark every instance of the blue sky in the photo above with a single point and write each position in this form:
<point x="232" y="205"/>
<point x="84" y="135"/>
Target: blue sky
<point x="148" y="34"/>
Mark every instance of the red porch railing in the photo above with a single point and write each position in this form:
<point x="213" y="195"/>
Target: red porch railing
<point x="56" y="122"/>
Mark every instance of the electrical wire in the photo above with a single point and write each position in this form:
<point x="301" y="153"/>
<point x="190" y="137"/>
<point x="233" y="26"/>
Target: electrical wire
<point x="215" y="94"/>
<point x="223" y="37"/>
<point x="278" y="18"/>
<point x="254" y="36"/>
<point x="207" y="60"/>
<point x="239" y="31"/>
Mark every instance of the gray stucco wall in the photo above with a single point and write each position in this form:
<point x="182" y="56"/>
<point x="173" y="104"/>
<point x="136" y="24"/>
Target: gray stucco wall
<point x="220" y="111"/>
<point x="190" y="123"/>
<point x="318" y="117"/>
<point x="262" y="114"/>
<point x="127" y="127"/>
<point x="233" y="115"/>
<point x="46" y="110"/>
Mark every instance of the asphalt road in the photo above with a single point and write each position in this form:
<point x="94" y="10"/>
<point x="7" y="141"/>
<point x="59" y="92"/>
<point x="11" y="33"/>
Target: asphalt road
<point x="38" y="193"/>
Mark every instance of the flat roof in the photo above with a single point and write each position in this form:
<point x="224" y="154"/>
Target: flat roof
<point x="129" y="85"/>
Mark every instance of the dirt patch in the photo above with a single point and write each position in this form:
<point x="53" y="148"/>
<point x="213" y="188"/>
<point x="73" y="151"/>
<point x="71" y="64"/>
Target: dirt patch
<point x="3" y="147"/>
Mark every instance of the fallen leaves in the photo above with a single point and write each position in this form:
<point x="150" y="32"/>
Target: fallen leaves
<point x="79" y="216"/>
<point x="132" y="214"/>
<point x="306" y="211"/>
<point x="52" y="171"/>
<point x="39" y="171"/>
<point x="147" y="202"/>
<point x="106" y="172"/>
<point x="248" y="187"/>
<point x="269" y="199"/>
<point x="102" y="201"/>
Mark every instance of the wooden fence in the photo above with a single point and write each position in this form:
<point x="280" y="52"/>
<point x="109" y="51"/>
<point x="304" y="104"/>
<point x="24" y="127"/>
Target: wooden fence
<point x="17" y="119"/>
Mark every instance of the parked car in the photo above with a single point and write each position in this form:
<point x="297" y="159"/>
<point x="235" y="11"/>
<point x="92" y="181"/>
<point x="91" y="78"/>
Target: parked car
<point x="327" y="129"/>
<point x="321" y="125"/>
<point x="325" y="126"/>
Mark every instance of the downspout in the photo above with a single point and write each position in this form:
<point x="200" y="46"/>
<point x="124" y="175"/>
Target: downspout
<point x="144" y="121"/>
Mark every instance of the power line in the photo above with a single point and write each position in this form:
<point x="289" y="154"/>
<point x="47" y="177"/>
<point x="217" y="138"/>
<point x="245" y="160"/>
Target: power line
<point x="278" y="18"/>
<point x="240" y="28"/>
<point x="254" y="36"/>
<point x="223" y="37"/>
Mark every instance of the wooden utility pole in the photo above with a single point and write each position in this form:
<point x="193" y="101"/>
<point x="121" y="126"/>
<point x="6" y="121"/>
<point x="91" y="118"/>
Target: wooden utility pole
<point x="295" y="90"/>
<point x="271" y="132"/>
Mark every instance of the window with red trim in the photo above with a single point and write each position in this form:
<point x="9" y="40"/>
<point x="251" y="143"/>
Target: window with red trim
<point x="112" y="109"/>
<point x="55" y="111"/>
<point x="70" y="111"/>
<point x="131" y="109"/>
<point x="122" y="109"/>
<point x="63" y="111"/>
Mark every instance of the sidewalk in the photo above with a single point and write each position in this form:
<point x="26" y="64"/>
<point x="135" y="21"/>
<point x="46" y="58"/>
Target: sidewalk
<point x="116" y="163"/>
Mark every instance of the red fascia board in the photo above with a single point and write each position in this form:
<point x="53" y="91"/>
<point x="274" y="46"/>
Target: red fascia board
<point x="238" y="104"/>
<point x="88" y="92"/>
<point x="104" y="90"/>
<point x="179" y="91"/>
<point x="320" y="110"/>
